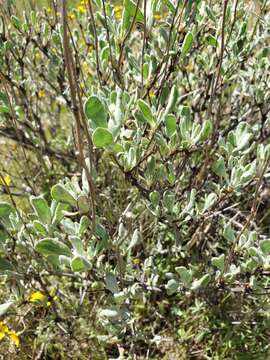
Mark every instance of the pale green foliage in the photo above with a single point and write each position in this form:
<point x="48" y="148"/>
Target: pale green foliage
<point x="177" y="108"/>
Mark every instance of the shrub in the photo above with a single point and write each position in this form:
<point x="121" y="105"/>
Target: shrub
<point x="146" y="232"/>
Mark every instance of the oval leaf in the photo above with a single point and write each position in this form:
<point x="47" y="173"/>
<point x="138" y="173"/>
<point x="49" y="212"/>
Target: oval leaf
<point x="4" y="307"/>
<point x="95" y="111"/>
<point x="51" y="246"/>
<point x="79" y="263"/>
<point x="41" y="209"/>
<point x="102" y="137"/>
<point x="5" y="265"/>
<point x="111" y="283"/>
<point x="5" y="209"/>
<point x="61" y="194"/>
<point x="202" y="282"/>
<point x="185" y="275"/>
<point x="187" y="44"/>
<point x="265" y="246"/>
<point x="146" y="111"/>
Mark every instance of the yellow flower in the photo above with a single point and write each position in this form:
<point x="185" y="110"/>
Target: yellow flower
<point x="189" y="68"/>
<point x="118" y="11"/>
<point x="3" y="330"/>
<point x="81" y="7"/>
<point x="6" y="180"/>
<point x="37" y="56"/>
<point x="41" y="93"/>
<point x="136" y="261"/>
<point x="71" y="16"/>
<point x="40" y="297"/>
<point x="14" y="337"/>
<point x="37" y="296"/>
<point x="157" y="17"/>
<point x="151" y="94"/>
<point x="49" y="302"/>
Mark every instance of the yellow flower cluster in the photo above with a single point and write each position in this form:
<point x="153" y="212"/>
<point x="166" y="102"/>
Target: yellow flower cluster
<point x="37" y="56"/>
<point x="4" y="330"/>
<point x="41" y="93"/>
<point x="6" y="180"/>
<point x="82" y="7"/>
<point x="118" y="11"/>
<point x="40" y="298"/>
<point x="157" y="17"/>
<point x="37" y="296"/>
<point x="136" y="261"/>
<point x="71" y="16"/>
<point x="151" y="94"/>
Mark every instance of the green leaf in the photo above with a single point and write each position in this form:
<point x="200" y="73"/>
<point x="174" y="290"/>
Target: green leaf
<point x="39" y="227"/>
<point x="6" y="209"/>
<point x="111" y="283"/>
<point x="62" y="260"/>
<point x="211" y="40"/>
<point x="4" y="109"/>
<point x="41" y="209"/>
<point x="185" y="122"/>
<point x="110" y="314"/>
<point x="187" y="44"/>
<point x="77" y="244"/>
<point x="172" y="286"/>
<point x="4" y="307"/>
<point x="5" y="265"/>
<point x="185" y="275"/>
<point x="154" y="197"/>
<point x="169" y="200"/>
<point x="59" y="212"/>
<point x="210" y="13"/>
<point x="136" y="239"/>
<point x="219" y="262"/>
<point x="170" y="123"/>
<point x="102" y="137"/>
<point x="146" y="111"/>
<point x="15" y="21"/>
<point x="219" y="168"/>
<point x="265" y="246"/>
<point x="84" y="224"/>
<point x="228" y="233"/>
<point x="202" y="282"/>
<point x="128" y="14"/>
<point x="205" y="131"/>
<point x="209" y="201"/>
<point x="61" y="194"/>
<point x="79" y="263"/>
<point x="69" y="226"/>
<point x="115" y="121"/>
<point x="95" y="111"/>
<point x="171" y="102"/>
<point x="83" y="204"/>
<point x="50" y="246"/>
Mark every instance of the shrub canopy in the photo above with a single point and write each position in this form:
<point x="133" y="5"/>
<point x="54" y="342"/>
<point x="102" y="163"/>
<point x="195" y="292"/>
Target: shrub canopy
<point x="134" y="219"/>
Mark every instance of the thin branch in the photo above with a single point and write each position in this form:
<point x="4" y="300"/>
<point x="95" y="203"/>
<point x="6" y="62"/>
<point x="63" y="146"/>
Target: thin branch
<point x="77" y="113"/>
<point x="96" y="41"/>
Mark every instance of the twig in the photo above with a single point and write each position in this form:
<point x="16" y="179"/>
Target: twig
<point x="78" y="114"/>
<point x="96" y="41"/>
<point x="144" y="40"/>
<point x="127" y="35"/>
